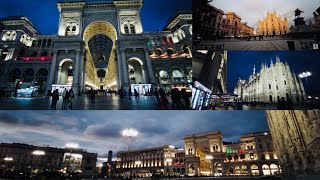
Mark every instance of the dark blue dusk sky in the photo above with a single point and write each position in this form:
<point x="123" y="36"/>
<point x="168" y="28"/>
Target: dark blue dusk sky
<point x="45" y="15"/>
<point x="100" y="131"/>
<point x="240" y="64"/>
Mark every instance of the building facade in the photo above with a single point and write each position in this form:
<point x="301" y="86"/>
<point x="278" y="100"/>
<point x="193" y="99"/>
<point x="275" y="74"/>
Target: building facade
<point x="273" y="24"/>
<point x="165" y="160"/>
<point x="246" y="30"/>
<point x="297" y="141"/>
<point x="233" y="24"/>
<point x="209" y="70"/>
<point x="316" y="17"/>
<point x="209" y="22"/>
<point x="271" y="84"/>
<point x="33" y="159"/>
<point x="98" y="45"/>
<point x="208" y="155"/>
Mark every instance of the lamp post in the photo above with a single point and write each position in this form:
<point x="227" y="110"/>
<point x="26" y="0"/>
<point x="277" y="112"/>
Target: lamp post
<point x="129" y="132"/>
<point x="305" y="75"/>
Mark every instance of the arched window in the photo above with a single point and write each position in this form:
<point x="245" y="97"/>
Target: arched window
<point x="68" y="30"/>
<point x="74" y="28"/>
<point x="170" y="40"/>
<point x="28" y="75"/>
<point x="132" y="29"/>
<point x="44" y="43"/>
<point x="14" y="74"/>
<point x="158" y="41"/>
<point x="170" y="52"/>
<point x="164" y="40"/>
<point x="152" y="41"/>
<point x="126" y="29"/>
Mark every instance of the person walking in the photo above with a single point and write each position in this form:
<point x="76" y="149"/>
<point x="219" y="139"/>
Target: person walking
<point x="156" y="94"/>
<point x="55" y="98"/>
<point x="164" y="100"/>
<point x="186" y="98"/>
<point x="130" y="93"/>
<point x="71" y="98"/>
<point x="64" y="100"/>
<point x="136" y="94"/>
<point x="93" y="96"/>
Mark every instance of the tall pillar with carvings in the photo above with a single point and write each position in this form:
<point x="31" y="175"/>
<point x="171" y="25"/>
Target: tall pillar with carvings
<point x="149" y="67"/>
<point x="124" y="68"/>
<point x="76" y="74"/>
<point x="119" y="71"/>
<point x="52" y="70"/>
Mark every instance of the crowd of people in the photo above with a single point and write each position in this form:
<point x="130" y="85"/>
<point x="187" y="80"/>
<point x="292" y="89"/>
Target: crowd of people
<point x="67" y="98"/>
<point x="180" y="99"/>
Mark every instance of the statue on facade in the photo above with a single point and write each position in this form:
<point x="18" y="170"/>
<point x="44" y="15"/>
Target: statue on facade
<point x="298" y="13"/>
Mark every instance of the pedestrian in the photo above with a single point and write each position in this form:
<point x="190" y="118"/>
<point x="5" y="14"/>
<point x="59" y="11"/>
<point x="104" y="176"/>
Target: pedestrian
<point x="121" y="94"/>
<point x="55" y="98"/>
<point x="281" y="104"/>
<point x="185" y="97"/>
<point x="136" y="94"/>
<point x="64" y="100"/>
<point x="130" y="93"/>
<point x="48" y="94"/>
<point x="93" y="96"/>
<point x="156" y="94"/>
<point x="67" y="97"/>
<point x="71" y="94"/>
<point x="164" y="100"/>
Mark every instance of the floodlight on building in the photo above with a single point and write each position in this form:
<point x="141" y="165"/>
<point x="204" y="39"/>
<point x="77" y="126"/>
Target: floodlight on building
<point x="38" y="153"/>
<point x="137" y="162"/>
<point x="168" y="160"/>
<point x="316" y="97"/>
<point x="265" y="133"/>
<point x="209" y="157"/>
<point x="72" y="145"/>
<point x="8" y="159"/>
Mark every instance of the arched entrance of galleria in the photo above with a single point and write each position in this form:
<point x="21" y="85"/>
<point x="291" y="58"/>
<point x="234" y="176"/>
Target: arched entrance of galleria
<point x="100" y="44"/>
<point x="90" y="64"/>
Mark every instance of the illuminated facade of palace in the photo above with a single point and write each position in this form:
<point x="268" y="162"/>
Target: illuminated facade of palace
<point x="297" y="142"/>
<point x="204" y="154"/>
<point x="207" y="154"/>
<point x="98" y="45"/>
<point x="273" y="24"/>
<point x="271" y="84"/>
<point x="26" y="158"/>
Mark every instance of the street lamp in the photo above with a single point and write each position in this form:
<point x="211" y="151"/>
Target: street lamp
<point x="129" y="132"/>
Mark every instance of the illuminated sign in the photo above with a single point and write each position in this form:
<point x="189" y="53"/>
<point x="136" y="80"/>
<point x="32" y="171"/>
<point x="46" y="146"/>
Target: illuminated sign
<point x="72" y="160"/>
<point x="40" y="58"/>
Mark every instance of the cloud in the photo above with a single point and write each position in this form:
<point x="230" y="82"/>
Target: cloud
<point x="100" y="131"/>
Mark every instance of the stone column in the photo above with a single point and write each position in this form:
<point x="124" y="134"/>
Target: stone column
<point x="76" y="73"/>
<point x="149" y="67"/>
<point x="52" y="70"/>
<point x="124" y="69"/>
<point x="84" y="69"/>
<point x="119" y="71"/>
<point x="144" y="74"/>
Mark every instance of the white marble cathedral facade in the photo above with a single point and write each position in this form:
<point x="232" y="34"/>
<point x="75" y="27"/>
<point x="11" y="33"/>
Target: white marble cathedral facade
<point x="99" y="44"/>
<point x="271" y="84"/>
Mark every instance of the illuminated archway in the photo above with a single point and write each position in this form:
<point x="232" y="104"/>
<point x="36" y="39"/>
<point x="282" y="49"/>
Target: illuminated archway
<point x="205" y="164"/>
<point x="136" y="71"/>
<point x="100" y="28"/>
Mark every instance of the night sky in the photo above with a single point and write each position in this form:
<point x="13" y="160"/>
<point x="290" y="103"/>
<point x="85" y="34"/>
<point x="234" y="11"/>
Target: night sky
<point x="240" y="64"/>
<point x="100" y="131"/>
<point x="45" y="15"/>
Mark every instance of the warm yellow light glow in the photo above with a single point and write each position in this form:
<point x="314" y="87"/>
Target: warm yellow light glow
<point x="38" y="153"/>
<point x="168" y="160"/>
<point x="138" y="162"/>
<point x="8" y="159"/>
<point x="72" y="145"/>
<point x="209" y="157"/>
